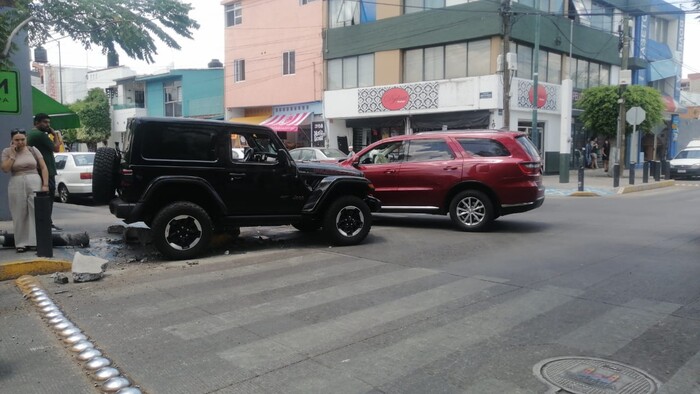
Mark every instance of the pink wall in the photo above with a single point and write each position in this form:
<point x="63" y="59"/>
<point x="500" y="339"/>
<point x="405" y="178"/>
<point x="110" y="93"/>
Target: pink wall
<point x="269" y="29"/>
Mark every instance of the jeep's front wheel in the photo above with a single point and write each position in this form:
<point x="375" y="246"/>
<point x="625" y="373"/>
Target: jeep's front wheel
<point x="181" y="230"/>
<point x="347" y="221"/>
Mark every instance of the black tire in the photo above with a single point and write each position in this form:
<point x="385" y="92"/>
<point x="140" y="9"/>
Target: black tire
<point x="307" y="226"/>
<point x="347" y="221"/>
<point x="105" y="175"/>
<point x="471" y="210"/>
<point x="182" y="230"/>
<point x="63" y="194"/>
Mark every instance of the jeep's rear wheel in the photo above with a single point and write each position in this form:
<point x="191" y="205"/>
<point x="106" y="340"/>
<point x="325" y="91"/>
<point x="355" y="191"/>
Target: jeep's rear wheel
<point x="471" y="210"/>
<point x="104" y="175"/>
<point x="182" y="230"/>
<point x="347" y="221"/>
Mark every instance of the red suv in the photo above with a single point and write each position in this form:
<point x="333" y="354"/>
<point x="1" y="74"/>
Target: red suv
<point x="476" y="176"/>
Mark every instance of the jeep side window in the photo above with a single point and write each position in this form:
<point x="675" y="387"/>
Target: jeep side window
<point x="180" y="142"/>
<point x="253" y="148"/>
<point x="390" y="152"/>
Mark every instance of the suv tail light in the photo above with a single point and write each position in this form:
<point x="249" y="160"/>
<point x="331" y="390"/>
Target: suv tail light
<point x="86" y="175"/>
<point x="530" y="167"/>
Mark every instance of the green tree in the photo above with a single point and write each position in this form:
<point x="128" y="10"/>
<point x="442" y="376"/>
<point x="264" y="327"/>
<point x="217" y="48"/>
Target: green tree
<point x="94" y="118"/>
<point x="601" y="109"/>
<point x="133" y="25"/>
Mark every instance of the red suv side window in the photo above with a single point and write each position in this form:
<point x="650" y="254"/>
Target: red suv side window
<point x="482" y="147"/>
<point x="429" y="150"/>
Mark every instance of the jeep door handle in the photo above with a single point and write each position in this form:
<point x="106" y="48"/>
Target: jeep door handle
<point x="236" y="175"/>
<point x="450" y="168"/>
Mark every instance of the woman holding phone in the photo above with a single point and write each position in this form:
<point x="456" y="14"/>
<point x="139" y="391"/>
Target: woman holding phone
<point x="25" y="163"/>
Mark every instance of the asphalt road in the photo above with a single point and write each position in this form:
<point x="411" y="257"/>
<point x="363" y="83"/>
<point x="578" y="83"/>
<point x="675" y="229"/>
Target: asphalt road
<point x="417" y="308"/>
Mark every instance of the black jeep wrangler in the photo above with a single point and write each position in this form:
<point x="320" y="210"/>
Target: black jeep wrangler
<point x="188" y="179"/>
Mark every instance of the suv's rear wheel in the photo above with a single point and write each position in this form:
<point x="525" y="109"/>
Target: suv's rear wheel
<point x="471" y="210"/>
<point x="104" y="175"/>
<point x="347" y="221"/>
<point x="182" y="230"/>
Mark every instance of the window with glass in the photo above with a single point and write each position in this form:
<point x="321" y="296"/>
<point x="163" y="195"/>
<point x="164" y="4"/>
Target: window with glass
<point x="466" y="59"/>
<point x="658" y="29"/>
<point x="429" y="150"/>
<point x="173" y="98"/>
<point x="288" y="66"/>
<point x="602" y="16"/>
<point x="343" y="13"/>
<point x="524" y="54"/>
<point x="234" y="14"/>
<point x="180" y="142"/>
<point x="483" y="147"/>
<point x="351" y="72"/>
<point x="552" y="6"/>
<point x="239" y="70"/>
<point x="390" y="152"/>
<point x="411" y="6"/>
<point x="581" y="75"/>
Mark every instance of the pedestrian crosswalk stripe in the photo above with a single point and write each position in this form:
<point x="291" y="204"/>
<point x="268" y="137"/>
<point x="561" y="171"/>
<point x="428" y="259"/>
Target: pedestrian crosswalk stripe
<point x="206" y="277"/>
<point x="240" y="317"/>
<point x="218" y="295"/>
<point x="292" y="346"/>
<point x="614" y="329"/>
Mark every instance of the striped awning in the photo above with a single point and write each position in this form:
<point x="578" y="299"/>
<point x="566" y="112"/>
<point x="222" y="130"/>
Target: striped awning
<point x="289" y="122"/>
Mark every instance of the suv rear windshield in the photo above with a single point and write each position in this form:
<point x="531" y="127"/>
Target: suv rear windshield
<point x="529" y="147"/>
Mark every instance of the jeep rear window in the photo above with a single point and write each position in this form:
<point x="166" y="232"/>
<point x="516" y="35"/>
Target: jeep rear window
<point x="179" y="142"/>
<point x="529" y="147"/>
<point x="483" y="147"/>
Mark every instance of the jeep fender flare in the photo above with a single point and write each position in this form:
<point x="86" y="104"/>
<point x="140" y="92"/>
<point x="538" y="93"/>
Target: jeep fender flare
<point x="183" y="180"/>
<point x="329" y="186"/>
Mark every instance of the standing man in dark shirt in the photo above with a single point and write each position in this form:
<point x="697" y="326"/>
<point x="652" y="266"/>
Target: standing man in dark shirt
<point x="38" y="137"/>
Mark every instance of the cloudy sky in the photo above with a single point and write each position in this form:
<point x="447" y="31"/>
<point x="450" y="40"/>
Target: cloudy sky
<point x="208" y="44"/>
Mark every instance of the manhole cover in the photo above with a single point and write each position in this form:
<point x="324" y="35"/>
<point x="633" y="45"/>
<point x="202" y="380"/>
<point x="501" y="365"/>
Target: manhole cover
<point x="584" y="375"/>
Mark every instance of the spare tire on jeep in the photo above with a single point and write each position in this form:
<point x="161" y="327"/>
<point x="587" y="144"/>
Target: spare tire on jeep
<point x="105" y="175"/>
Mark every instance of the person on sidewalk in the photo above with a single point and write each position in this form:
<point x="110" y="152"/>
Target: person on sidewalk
<point x="606" y="154"/>
<point x="594" y="153"/>
<point x="23" y="161"/>
<point x="39" y="138"/>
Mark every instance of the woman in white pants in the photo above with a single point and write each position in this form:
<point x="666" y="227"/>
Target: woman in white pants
<point x="23" y="161"/>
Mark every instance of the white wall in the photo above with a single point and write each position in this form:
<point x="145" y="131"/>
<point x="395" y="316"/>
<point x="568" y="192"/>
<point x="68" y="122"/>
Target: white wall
<point x="105" y="78"/>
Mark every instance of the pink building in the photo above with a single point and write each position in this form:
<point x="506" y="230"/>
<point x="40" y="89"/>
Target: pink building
<point x="274" y="66"/>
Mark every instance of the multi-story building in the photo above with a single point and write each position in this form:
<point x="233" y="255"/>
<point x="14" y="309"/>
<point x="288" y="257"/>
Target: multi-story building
<point x="274" y="66"/>
<point x="399" y="67"/>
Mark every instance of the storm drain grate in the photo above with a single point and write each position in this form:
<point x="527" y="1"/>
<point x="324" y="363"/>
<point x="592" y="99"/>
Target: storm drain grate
<point x="585" y="375"/>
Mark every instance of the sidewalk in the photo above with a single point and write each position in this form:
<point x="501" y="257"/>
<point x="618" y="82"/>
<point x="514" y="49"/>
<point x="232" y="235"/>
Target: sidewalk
<point x="600" y="183"/>
<point x="72" y="219"/>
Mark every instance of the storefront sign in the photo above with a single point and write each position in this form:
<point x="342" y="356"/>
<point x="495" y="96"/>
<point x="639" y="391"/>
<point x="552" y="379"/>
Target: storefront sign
<point x="9" y="92"/>
<point x="541" y="96"/>
<point x="399" y="97"/>
<point x="547" y="95"/>
<point x="319" y="131"/>
<point x="395" y="99"/>
<point x="485" y="95"/>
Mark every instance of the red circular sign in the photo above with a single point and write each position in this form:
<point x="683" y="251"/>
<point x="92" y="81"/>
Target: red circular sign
<point x="541" y="96"/>
<point x="395" y="99"/>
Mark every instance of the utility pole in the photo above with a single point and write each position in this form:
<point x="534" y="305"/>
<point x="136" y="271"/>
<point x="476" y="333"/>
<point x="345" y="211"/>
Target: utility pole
<point x="620" y="140"/>
<point x="505" y="14"/>
<point x="535" y="79"/>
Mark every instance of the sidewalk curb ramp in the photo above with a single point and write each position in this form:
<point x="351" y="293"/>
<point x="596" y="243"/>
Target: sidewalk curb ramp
<point x="646" y="186"/>
<point x="38" y="266"/>
<point x="584" y="194"/>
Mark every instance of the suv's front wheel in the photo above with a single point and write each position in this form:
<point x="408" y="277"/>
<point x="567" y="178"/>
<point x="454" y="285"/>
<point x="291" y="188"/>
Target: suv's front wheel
<point x="347" y="221"/>
<point x="181" y="230"/>
<point x="471" y="210"/>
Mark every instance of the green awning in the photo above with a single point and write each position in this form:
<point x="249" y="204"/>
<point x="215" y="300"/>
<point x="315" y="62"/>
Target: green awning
<point x="61" y="117"/>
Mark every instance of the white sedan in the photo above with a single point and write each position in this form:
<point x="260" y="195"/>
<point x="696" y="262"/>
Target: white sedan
<point x="74" y="174"/>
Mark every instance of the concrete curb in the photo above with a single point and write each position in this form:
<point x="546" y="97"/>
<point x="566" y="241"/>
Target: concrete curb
<point x="15" y="269"/>
<point x="646" y="186"/>
<point x="584" y="194"/>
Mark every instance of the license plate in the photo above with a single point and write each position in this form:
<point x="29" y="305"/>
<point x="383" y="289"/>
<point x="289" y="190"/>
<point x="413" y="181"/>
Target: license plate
<point x="681" y="171"/>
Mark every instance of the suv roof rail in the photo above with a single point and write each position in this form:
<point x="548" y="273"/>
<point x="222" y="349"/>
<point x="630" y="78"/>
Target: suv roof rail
<point x="462" y="131"/>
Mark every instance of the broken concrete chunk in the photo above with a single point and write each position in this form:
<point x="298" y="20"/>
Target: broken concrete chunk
<point x="88" y="268"/>
<point x="59" y="278"/>
<point x="116" y="228"/>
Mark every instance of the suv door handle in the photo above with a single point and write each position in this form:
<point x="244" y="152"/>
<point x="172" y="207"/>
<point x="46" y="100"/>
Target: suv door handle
<point x="450" y="168"/>
<point x="236" y="175"/>
<point x="390" y="171"/>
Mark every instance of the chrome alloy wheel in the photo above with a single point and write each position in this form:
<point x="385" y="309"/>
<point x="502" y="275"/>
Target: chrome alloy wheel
<point x="349" y="221"/>
<point x="471" y="211"/>
<point x="183" y="232"/>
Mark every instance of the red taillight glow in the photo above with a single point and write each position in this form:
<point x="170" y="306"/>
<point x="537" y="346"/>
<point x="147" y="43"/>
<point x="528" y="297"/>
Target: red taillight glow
<point x="530" y="167"/>
<point x="86" y="175"/>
